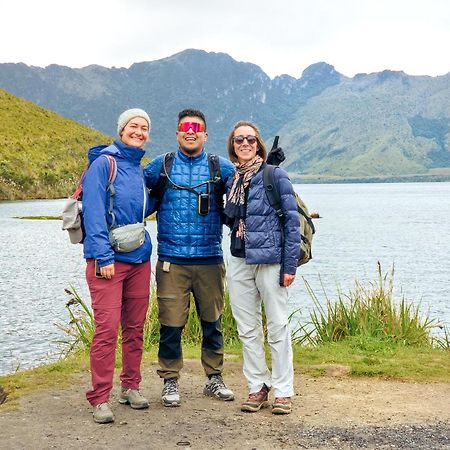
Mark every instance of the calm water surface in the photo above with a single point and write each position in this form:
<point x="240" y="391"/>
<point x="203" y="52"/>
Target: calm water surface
<point x="405" y="226"/>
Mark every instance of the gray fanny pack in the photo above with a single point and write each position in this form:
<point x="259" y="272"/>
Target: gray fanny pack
<point x="126" y="238"/>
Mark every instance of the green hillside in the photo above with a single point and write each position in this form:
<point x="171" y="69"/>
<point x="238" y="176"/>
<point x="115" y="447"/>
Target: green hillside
<point x="41" y="153"/>
<point x="380" y="125"/>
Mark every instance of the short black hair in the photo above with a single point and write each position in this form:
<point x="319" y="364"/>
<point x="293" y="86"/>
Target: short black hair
<point x="191" y="113"/>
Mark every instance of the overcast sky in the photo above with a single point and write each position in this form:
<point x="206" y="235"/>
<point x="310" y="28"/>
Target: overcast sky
<point x="281" y="36"/>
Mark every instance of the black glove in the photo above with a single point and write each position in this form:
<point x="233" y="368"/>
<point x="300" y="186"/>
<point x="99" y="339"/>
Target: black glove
<point x="276" y="156"/>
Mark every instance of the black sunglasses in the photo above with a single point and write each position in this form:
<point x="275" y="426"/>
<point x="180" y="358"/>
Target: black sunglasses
<point x="240" y="139"/>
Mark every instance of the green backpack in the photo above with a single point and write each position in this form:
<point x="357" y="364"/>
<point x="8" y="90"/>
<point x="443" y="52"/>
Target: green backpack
<point x="307" y="229"/>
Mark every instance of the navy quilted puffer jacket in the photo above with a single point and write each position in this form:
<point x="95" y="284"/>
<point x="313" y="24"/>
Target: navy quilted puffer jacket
<point x="182" y="231"/>
<point x="262" y="226"/>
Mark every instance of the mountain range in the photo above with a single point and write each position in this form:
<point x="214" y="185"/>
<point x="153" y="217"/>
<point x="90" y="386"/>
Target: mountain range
<point x="379" y="126"/>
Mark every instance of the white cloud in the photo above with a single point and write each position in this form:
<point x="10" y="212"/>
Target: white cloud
<point x="284" y="36"/>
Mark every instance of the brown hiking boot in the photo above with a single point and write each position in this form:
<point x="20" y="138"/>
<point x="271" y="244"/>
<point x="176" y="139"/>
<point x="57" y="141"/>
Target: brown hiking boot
<point x="282" y="405"/>
<point x="257" y="400"/>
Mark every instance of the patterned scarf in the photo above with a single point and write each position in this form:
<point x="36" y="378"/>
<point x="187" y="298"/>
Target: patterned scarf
<point x="235" y="207"/>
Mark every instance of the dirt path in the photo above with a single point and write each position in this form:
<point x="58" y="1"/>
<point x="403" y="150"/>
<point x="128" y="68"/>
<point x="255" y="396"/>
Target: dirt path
<point x="329" y="413"/>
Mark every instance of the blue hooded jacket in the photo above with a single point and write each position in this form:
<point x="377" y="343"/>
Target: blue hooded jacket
<point x="128" y="202"/>
<point x="185" y="236"/>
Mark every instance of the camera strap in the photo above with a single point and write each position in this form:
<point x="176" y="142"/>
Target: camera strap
<point x="187" y="188"/>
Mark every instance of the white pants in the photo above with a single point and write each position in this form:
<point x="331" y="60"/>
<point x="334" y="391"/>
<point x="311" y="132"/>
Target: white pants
<point x="250" y="285"/>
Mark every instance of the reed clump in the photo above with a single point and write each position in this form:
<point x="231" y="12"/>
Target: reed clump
<point x="369" y="313"/>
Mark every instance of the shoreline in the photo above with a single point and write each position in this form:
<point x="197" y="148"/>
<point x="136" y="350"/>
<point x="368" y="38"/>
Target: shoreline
<point x="305" y="179"/>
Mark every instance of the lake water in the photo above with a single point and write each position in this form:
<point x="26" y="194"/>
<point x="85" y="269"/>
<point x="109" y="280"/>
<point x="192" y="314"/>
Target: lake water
<point x="405" y="226"/>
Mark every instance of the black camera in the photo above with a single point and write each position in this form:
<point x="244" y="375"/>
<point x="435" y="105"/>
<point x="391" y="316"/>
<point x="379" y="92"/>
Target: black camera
<point x="203" y="203"/>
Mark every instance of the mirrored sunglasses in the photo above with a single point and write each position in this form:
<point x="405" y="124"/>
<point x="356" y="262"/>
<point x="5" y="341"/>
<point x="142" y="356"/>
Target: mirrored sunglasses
<point x="196" y="127"/>
<point x="239" y="139"/>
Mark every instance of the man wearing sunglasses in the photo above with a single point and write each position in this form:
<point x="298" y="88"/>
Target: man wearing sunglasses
<point x="190" y="258"/>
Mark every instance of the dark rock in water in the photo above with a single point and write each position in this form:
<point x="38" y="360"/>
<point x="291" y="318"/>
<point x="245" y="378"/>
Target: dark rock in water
<point x="3" y="395"/>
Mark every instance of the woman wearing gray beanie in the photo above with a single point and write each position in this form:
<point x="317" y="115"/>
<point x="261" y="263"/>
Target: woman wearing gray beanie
<point x="117" y="249"/>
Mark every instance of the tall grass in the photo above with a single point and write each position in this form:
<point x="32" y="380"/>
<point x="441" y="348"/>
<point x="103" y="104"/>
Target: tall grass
<point x="444" y="340"/>
<point x="81" y="326"/>
<point x="368" y="313"/>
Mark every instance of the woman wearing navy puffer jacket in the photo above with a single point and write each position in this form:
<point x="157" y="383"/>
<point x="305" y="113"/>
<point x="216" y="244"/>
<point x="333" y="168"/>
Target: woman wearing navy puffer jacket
<point x="253" y="273"/>
<point x="119" y="281"/>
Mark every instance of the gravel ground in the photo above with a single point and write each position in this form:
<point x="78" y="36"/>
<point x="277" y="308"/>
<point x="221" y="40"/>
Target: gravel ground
<point x="403" y="437"/>
<point x="330" y="412"/>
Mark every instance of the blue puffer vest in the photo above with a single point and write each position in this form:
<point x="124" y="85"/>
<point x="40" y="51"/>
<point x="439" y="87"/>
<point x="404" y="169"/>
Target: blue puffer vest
<point x="262" y="226"/>
<point x="182" y="231"/>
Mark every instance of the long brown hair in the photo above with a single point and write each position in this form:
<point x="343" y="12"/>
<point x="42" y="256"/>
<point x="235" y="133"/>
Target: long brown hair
<point x="262" y="150"/>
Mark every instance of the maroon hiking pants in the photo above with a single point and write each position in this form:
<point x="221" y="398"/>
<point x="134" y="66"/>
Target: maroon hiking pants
<point x="121" y="300"/>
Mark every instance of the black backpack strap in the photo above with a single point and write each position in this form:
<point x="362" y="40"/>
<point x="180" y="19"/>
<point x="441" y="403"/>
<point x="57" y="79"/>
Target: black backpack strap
<point x="275" y="202"/>
<point x="163" y="182"/>
<point x="216" y="178"/>
<point x="214" y="168"/>
<point x="271" y="190"/>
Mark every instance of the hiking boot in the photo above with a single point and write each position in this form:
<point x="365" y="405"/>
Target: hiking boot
<point x="215" y="387"/>
<point x="102" y="413"/>
<point x="257" y="400"/>
<point x="282" y="405"/>
<point x="170" y="395"/>
<point x="134" y="398"/>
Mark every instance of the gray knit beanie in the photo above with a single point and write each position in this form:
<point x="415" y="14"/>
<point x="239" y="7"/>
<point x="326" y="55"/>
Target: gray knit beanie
<point x="129" y="114"/>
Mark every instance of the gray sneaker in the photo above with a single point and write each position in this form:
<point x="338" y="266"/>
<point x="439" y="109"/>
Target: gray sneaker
<point x="134" y="398"/>
<point x="215" y="387"/>
<point x="170" y="395"/>
<point x="102" y="413"/>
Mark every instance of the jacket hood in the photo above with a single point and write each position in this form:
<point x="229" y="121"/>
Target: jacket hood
<point x="118" y="149"/>
<point x="95" y="152"/>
